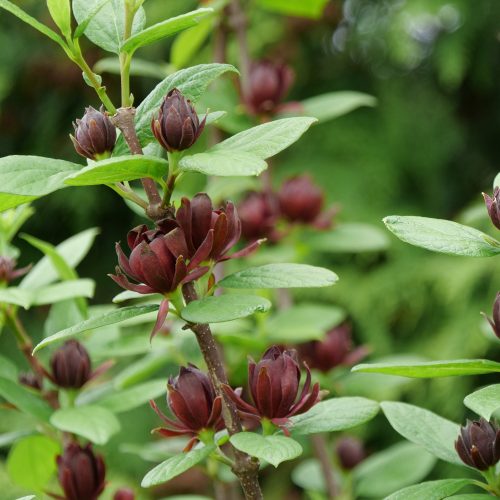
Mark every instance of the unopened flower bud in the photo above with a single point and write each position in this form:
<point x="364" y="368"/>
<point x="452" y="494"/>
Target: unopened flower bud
<point x="124" y="494"/>
<point x="95" y="135"/>
<point x="80" y="473"/>
<point x="71" y="366"/>
<point x="30" y="380"/>
<point x="8" y="271"/>
<point x="300" y="199"/>
<point x="495" y="321"/>
<point x="479" y="444"/>
<point x="258" y="214"/>
<point x="177" y="126"/>
<point x="350" y="452"/>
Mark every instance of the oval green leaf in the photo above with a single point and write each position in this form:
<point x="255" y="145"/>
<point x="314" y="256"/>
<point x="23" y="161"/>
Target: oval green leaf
<point x="485" y="401"/>
<point x="431" y="490"/>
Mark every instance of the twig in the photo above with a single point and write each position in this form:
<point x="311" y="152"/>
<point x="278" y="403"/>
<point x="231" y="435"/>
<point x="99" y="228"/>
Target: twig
<point x="321" y="451"/>
<point x="239" y="23"/>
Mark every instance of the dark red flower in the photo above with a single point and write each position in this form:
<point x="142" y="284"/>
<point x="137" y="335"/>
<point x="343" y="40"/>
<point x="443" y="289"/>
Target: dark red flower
<point x="259" y="213"/>
<point x="493" y="207"/>
<point x="274" y="387"/>
<point x="300" y="199"/>
<point x="479" y="444"/>
<point x="192" y="399"/>
<point x="268" y="84"/>
<point x="124" y="494"/>
<point x="95" y="135"/>
<point x="71" y="366"/>
<point x="350" y="452"/>
<point x="334" y="350"/>
<point x="81" y="473"/>
<point x="177" y="126"/>
<point x="495" y="322"/>
<point x="8" y="271"/>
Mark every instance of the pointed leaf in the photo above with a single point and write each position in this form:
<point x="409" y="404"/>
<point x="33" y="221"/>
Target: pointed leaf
<point x="485" y="401"/>
<point x="431" y="490"/>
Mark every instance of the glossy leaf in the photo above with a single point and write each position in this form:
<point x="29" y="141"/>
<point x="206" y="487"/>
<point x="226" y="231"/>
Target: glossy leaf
<point x="430" y="490"/>
<point x="485" y="401"/>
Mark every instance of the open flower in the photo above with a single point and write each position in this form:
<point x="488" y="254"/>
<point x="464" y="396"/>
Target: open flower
<point x="191" y="398"/>
<point x="274" y="387"/>
<point x="493" y="206"/>
<point x="495" y="321"/>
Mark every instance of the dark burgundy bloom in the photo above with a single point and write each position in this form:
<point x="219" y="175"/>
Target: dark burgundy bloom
<point x="493" y="207"/>
<point x="80" y="473"/>
<point x="350" y="452"/>
<point x="300" y="199"/>
<point x="95" y="135"/>
<point x="259" y="213"/>
<point x="495" y="322"/>
<point x="30" y="380"/>
<point x="124" y="494"/>
<point x="479" y="444"/>
<point x="334" y="350"/>
<point x="274" y="387"/>
<point x="8" y="271"/>
<point x="268" y="85"/>
<point x="191" y="398"/>
<point x="71" y="366"/>
<point x="177" y="126"/>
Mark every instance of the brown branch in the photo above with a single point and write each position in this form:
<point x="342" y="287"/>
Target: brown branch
<point x="239" y="23"/>
<point x="245" y="467"/>
<point x="321" y="452"/>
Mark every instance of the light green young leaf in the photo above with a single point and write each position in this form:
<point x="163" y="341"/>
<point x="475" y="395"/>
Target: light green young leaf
<point x="176" y="465"/>
<point x="119" y="169"/>
<point x="164" y="29"/>
<point x="60" y="11"/>
<point x="431" y="490"/>
<point x="334" y="414"/>
<point x="442" y="236"/>
<point x="8" y="369"/>
<point x="142" y="369"/>
<point x="272" y="449"/>
<point x="432" y="369"/>
<point x="106" y="27"/>
<point x="105" y="319"/>
<point x="189" y="42"/>
<point x="16" y="296"/>
<point x="224" y="308"/>
<point x="485" y="401"/>
<point x="434" y="433"/>
<point x="280" y="276"/>
<point x="311" y="8"/>
<point x="91" y="422"/>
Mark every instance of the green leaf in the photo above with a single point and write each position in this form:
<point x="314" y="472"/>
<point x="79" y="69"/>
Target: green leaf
<point x="224" y="308"/>
<point x="82" y="26"/>
<point x="8" y="369"/>
<point x="431" y="490"/>
<point x="188" y="43"/>
<point x="16" y="296"/>
<point x="485" y="401"/>
<point x="29" y="177"/>
<point x="72" y="250"/>
<point x="60" y="11"/>
<point x="192" y="82"/>
<point x="442" y="236"/>
<point x="496" y="181"/>
<point x="164" y="29"/>
<point x="303" y="322"/>
<point x="176" y="465"/>
<point x="280" y="276"/>
<point x="62" y="315"/>
<point x="471" y="496"/>
<point x="432" y="369"/>
<point x="335" y="414"/>
<point x="91" y="422"/>
<point x="24" y="399"/>
<point x="118" y="169"/>
<point x="434" y="433"/>
<point x="392" y="469"/>
<point x="107" y="28"/>
<point x="61" y="291"/>
<point x="105" y="319"/>
<point x="272" y="449"/>
<point x="311" y="8"/>
<point x="36" y="454"/>
<point x="142" y="369"/>
<point x="127" y="399"/>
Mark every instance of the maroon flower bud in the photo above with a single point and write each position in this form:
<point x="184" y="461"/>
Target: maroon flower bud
<point x="300" y="199"/>
<point x="177" y="126"/>
<point x="71" y="366"/>
<point x="495" y="322"/>
<point x="334" y="350"/>
<point x="267" y="86"/>
<point x="191" y="398"/>
<point x="350" y="452"/>
<point x="30" y="380"/>
<point x="479" y="444"/>
<point x="259" y="213"/>
<point x="124" y="494"/>
<point x="493" y="206"/>
<point x="95" y="135"/>
<point x="274" y="386"/>
<point x="8" y="271"/>
<point x="80" y="473"/>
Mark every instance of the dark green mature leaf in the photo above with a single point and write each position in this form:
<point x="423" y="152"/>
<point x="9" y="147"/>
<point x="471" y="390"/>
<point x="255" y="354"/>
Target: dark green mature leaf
<point x="192" y="82"/>
<point x="224" y="308"/>
<point x="106" y="27"/>
<point x="434" y="433"/>
<point x="335" y="414"/>
<point x="272" y="449"/>
<point x="176" y="465"/>
<point x="82" y="25"/>
<point x="26" y="178"/>
<point x="164" y="29"/>
<point x="280" y="276"/>
<point x="119" y="169"/>
<point x="188" y="43"/>
<point x="22" y="398"/>
<point x="432" y="369"/>
<point x="442" y="236"/>
<point x="485" y="401"/>
<point x="36" y="454"/>
<point x="91" y="422"/>
<point x="311" y="8"/>
<point x="108" y="318"/>
<point x="431" y="490"/>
